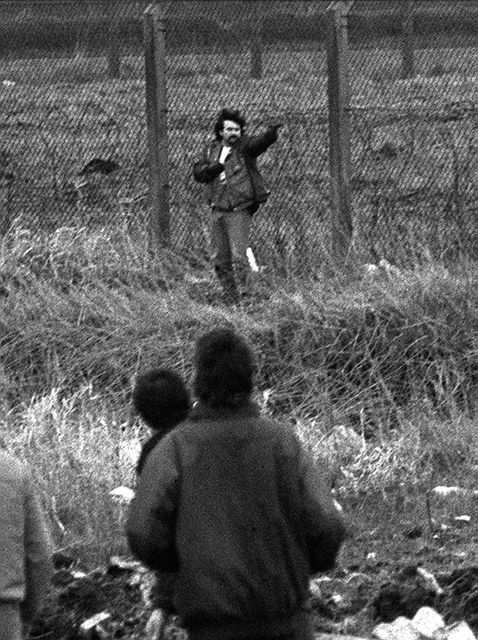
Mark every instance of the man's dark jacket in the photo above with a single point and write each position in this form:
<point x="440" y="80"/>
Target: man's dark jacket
<point x="232" y="502"/>
<point x="244" y="186"/>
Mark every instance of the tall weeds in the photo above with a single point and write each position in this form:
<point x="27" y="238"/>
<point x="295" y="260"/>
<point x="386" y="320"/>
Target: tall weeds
<point x="391" y="355"/>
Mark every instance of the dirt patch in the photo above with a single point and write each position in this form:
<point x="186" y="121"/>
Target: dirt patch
<point x="409" y="569"/>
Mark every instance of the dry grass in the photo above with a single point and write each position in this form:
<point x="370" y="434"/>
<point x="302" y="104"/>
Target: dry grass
<point x="80" y="448"/>
<point x="391" y="356"/>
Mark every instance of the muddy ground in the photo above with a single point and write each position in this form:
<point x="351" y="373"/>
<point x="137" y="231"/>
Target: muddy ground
<point x="377" y="579"/>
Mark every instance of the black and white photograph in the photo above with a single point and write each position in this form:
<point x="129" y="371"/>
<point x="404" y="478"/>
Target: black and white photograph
<point x="238" y="320"/>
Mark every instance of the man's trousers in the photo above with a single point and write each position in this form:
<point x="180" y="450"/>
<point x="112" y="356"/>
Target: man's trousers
<point x="229" y="243"/>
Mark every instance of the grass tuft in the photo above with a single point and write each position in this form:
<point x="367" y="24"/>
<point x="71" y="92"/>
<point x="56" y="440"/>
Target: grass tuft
<point x="388" y="357"/>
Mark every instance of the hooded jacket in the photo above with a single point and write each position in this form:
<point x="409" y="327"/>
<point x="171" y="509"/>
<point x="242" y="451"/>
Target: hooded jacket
<point x="232" y="502"/>
<point x="244" y="186"/>
<point x="25" y="546"/>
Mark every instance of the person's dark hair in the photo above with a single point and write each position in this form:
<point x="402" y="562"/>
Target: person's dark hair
<point x="224" y="369"/>
<point x="161" y="398"/>
<point x="228" y="114"/>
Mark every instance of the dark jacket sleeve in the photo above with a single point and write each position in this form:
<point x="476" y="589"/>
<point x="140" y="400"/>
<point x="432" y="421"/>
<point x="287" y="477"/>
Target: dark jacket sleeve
<point x="256" y="145"/>
<point x="146" y="449"/>
<point x="38" y="551"/>
<point x="324" y="524"/>
<point x="151" y="522"/>
<point x="204" y="170"/>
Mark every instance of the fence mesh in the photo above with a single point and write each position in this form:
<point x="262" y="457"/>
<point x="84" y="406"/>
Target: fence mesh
<point x="64" y="102"/>
<point x="73" y="90"/>
<point x="413" y="116"/>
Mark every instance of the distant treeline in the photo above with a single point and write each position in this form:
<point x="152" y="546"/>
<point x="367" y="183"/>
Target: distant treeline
<point x="53" y="34"/>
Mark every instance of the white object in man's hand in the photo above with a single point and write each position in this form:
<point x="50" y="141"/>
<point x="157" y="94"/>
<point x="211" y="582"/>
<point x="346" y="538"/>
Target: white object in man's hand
<point x="338" y="506"/>
<point x="156" y="625"/>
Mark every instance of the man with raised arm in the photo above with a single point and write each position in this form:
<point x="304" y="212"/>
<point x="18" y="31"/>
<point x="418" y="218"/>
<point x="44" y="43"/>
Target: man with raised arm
<point x="235" y="190"/>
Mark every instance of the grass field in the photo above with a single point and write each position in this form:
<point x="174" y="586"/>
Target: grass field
<point x="391" y="356"/>
<point x="412" y="146"/>
<point x="48" y="28"/>
<point x="377" y="373"/>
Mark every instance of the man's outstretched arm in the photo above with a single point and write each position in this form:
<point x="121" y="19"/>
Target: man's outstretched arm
<point x="256" y="145"/>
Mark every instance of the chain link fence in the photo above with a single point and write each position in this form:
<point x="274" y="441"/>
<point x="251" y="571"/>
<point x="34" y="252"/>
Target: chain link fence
<point x="413" y="119"/>
<point x="72" y="91"/>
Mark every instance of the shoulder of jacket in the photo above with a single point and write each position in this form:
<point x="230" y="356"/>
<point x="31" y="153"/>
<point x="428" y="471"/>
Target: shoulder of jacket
<point x="278" y="431"/>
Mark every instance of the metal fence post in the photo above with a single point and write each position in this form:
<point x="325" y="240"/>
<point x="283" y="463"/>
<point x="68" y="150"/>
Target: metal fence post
<point x="156" y="116"/>
<point x="408" y="62"/>
<point x="339" y="127"/>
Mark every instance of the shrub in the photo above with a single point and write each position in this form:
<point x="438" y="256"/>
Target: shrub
<point x="375" y="344"/>
<point x="390" y="356"/>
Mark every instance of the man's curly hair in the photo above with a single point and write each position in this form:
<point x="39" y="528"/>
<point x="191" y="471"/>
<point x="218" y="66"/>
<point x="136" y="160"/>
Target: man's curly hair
<point x="228" y="114"/>
<point x="224" y="369"/>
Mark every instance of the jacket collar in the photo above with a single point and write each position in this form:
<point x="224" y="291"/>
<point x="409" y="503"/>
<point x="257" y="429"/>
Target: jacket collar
<point x="215" y="146"/>
<point x="202" y="411"/>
